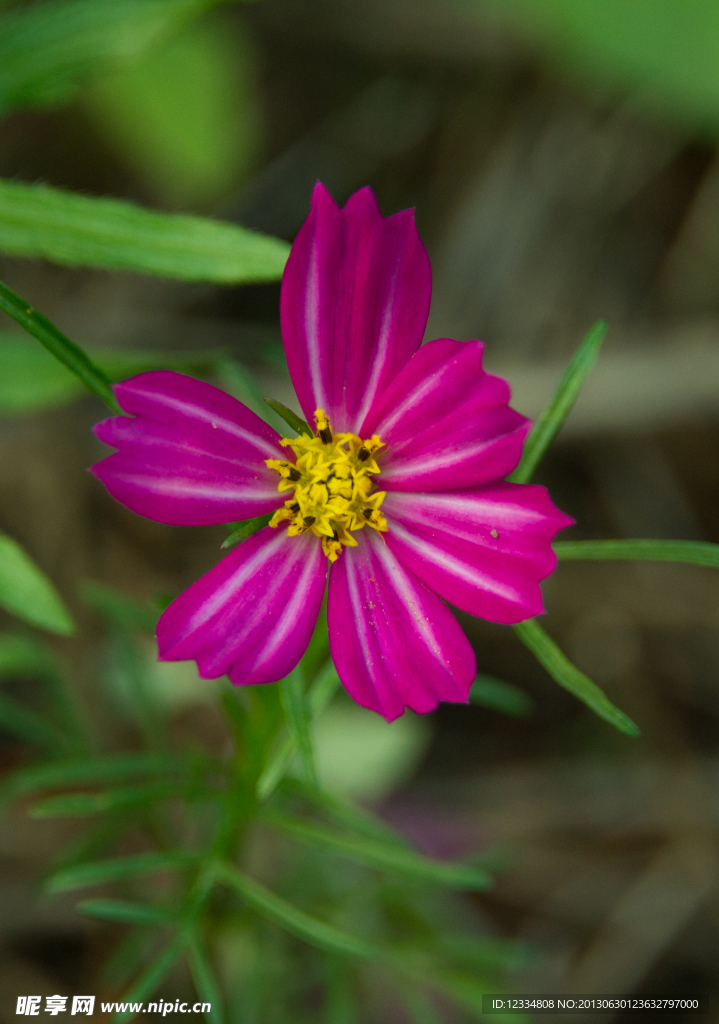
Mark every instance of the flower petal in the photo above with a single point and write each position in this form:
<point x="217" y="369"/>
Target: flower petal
<point x="394" y="642"/>
<point x="484" y="549"/>
<point x="446" y="423"/>
<point x="354" y="305"/>
<point x="252" y="616"/>
<point x="189" y="454"/>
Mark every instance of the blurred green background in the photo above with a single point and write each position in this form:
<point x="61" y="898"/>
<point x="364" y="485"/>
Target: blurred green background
<point x="562" y="159"/>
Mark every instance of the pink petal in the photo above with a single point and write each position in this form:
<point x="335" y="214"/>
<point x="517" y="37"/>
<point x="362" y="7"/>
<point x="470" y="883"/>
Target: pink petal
<point x="484" y="549"/>
<point x="354" y="306"/>
<point x="394" y="643"/>
<point x="189" y="454"/>
<point x="252" y="616"/>
<point x="446" y="423"/>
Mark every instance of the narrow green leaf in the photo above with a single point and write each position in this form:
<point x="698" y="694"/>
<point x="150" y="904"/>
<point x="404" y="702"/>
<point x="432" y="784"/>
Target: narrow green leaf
<point x="500" y="696"/>
<point x="68" y="353"/>
<point x="248" y="527"/>
<point x="47" y="48"/>
<point x="202" y="974"/>
<point x="101" y="871"/>
<point x="28" y="593"/>
<point x="689" y="551"/>
<point x="31" y="380"/>
<point x="151" y="977"/>
<point x="124" y="912"/>
<point x="297" y="715"/>
<point x="75" y="805"/>
<point x="550" y="422"/>
<point x="29" y="726"/>
<point x="355" y="818"/>
<point x="296" y="921"/>
<point x="568" y="675"/>
<point x="39" y="221"/>
<point x="320" y="694"/>
<point x="92" y="770"/>
<point x="387" y="857"/>
<point x="291" y="418"/>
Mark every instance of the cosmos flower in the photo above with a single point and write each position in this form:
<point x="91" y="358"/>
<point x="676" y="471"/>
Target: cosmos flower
<point x="399" y="495"/>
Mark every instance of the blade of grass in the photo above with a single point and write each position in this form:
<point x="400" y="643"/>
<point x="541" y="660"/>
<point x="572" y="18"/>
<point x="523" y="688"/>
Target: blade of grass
<point x="124" y="912"/>
<point x="152" y="977"/>
<point x="689" y="551"/>
<point x="320" y="694"/>
<point x="292" y="919"/>
<point x="39" y="221"/>
<point x="291" y="418"/>
<point x="568" y="675"/>
<point x="101" y="871"/>
<point x="74" y="805"/>
<point x="550" y="422"/>
<point x="25" y="591"/>
<point x="500" y="696"/>
<point x="297" y="716"/>
<point x="387" y="857"/>
<point x="70" y="354"/>
<point x="207" y="988"/>
<point x="248" y="527"/>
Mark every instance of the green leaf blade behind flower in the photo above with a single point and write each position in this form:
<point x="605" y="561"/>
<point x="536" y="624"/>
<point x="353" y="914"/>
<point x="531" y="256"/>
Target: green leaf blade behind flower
<point x="58" y="344"/>
<point x="298" y="716"/>
<point x="688" y="551"/>
<point x="26" y="592"/>
<point x="246" y="529"/>
<point x="291" y="418"/>
<point x="78" y="876"/>
<point x="568" y="676"/>
<point x="493" y="693"/>
<point x="292" y="919"/>
<point x="386" y="856"/>
<point x="76" y="230"/>
<point x="550" y="422"/>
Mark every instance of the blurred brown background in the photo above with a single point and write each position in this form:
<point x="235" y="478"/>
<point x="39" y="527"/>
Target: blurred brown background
<point x="545" y="203"/>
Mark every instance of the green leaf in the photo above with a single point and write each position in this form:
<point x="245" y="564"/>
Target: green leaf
<point x="689" y="551"/>
<point x="297" y="715"/>
<point x="291" y="418"/>
<point x="93" y="770"/>
<point x="75" y="805"/>
<point x="76" y="230"/>
<point x="187" y="116"/>
<point x="29" y="726"/>
<point x="550" y="422"/>
<point x="319" y="696"/>
<point x="500" y="696"/>
<point x="124" y="912"/>
<point x="152" y="976"/>
<point x="568" y="675"/>
<point x="47" y="48"/>
<point x="31" y="380"/>
<point x="387" y="857"/>
<point x="248" y="527"/>
<point x="292" y="919"/>
<point x="203" y="976"/>
<point x="101" y="871"/>
<point x="28" y="593"/>
<point x="355" y="818"/>
<point x="66" y="351"/>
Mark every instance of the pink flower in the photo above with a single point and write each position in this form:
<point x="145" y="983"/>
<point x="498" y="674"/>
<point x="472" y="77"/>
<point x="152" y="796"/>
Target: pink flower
<point x="427" y="425"/>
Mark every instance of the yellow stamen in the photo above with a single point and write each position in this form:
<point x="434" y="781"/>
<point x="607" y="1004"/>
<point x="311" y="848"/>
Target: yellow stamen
<point x="333" y="487"/>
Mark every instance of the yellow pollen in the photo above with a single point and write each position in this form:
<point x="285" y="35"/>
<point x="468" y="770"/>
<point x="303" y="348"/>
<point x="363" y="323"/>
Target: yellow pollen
<point x="333" y="491"/>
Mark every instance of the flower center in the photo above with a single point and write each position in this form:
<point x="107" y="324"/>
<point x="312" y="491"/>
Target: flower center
<point x="332" y="484"/>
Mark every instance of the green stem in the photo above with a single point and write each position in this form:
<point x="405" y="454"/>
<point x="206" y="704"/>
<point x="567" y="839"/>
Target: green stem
<point x="690" y="551"/>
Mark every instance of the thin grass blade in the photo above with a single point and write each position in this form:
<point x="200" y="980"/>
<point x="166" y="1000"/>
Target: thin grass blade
<point x="202" y="974"/>
<point x="26" y="592"/>
<point x="386" y="857"/>
<point x="77" y="805"/>
<point x="70" y="354"/>
<point x="152" y="977"/>
<point x="292" y="919"/>
<point x="246" y="529"/>
<point x="550" y="422"/>
<point x="690" y="551"/>
<point x="125" y="912"/>
<point x="291" y="418"/>
<point x="297" y="716"/>
<point x="568" y="675"/>
<point x="99" y="872"/>
<point x="500" y="696"/>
